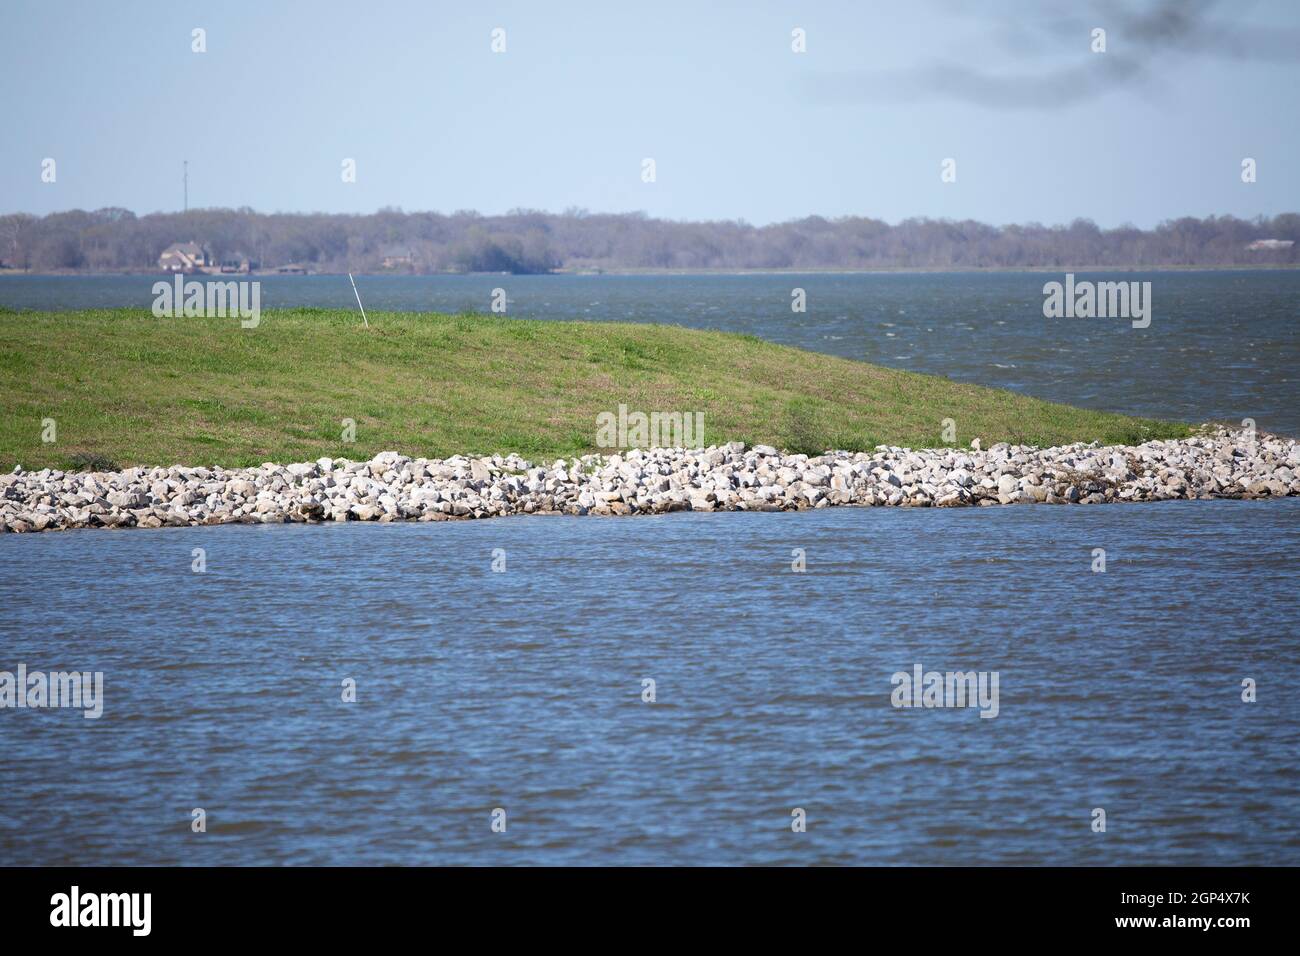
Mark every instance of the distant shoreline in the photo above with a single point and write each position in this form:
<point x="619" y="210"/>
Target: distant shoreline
<point x="899" y="270"/>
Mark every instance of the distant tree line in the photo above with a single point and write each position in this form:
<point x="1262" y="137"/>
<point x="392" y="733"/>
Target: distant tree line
<point x="523" y="241"/>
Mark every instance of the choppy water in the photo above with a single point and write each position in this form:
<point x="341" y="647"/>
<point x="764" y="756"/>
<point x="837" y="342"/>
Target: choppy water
<point x="1222" y="345"/>
<point x="522" y="689"/>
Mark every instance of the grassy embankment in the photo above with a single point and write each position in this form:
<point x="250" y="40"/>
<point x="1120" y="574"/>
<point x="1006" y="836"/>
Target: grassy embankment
<point x="140" y="390"/>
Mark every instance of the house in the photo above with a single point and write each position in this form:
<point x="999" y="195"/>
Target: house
<point x="1271" y="244"/>
<point x="239" y="263"/>
<point x="184" y="257"/>
<point x="397" y="257"/>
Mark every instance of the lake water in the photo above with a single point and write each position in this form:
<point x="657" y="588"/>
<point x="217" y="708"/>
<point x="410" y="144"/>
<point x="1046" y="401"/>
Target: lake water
<point x="1222" y="345"/>
<point x="522" y="689"/>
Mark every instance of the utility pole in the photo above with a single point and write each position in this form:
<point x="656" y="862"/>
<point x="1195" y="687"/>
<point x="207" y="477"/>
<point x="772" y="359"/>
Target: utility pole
<point x="186" y="177"/>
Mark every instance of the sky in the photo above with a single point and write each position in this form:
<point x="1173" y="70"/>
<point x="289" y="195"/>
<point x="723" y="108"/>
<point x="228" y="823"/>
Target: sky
<point x="739" y="125"/>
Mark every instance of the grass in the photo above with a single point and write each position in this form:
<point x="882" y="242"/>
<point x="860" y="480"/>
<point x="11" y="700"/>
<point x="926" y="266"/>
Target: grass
<point x="126" y="387"/>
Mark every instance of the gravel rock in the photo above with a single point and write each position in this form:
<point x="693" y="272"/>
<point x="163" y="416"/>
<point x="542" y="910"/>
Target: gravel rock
<point x="1218" y="463"/>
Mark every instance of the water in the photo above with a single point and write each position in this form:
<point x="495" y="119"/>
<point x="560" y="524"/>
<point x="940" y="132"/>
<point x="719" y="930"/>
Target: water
<point x="521" y="689"/>
<point x="1222" y="345"/>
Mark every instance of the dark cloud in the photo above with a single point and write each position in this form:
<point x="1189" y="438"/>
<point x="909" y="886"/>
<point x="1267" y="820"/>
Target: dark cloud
<point x="1141" y="42"/>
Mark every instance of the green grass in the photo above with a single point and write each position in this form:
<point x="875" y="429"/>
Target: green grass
<point x="134" y="389"/>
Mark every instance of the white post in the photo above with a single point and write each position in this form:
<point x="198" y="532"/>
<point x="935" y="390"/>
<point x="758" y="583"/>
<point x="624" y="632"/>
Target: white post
<point x="358" y="295"/>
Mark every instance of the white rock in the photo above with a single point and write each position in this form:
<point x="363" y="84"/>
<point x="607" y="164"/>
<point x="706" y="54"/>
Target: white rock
<point x="391" y="487"/>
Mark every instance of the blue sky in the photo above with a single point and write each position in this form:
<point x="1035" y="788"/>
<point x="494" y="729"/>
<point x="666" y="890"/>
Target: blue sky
<point x="740" y="127"/>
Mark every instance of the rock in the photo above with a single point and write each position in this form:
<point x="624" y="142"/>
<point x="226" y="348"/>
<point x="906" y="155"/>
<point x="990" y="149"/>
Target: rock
<point x="392" y="487"/>
<point x="127" y="499"/>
